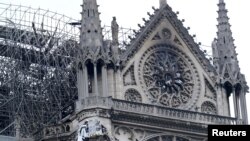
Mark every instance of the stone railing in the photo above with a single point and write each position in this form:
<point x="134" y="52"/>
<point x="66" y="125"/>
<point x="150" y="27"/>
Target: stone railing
<point x="66" y="129"/>
<point x="104" y="102"/>
<point x="157" y="111"/>
<point x="172" y="113"/>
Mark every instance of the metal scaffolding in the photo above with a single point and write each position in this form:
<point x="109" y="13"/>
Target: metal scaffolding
<point x="37" y="57"/>
<point x="37" y="75"/>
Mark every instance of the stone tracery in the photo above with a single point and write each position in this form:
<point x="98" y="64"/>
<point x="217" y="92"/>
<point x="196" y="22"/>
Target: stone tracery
<point x="169" y="77"/>
<point x="133" y="95"/>
<point x="166" y="33"/>
<point x="208" y="107"/>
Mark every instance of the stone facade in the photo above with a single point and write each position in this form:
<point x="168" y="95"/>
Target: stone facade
<point x="161" y="88"/>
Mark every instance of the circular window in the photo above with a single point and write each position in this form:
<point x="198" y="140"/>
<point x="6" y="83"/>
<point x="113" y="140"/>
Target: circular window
<point x="168" y="77"/>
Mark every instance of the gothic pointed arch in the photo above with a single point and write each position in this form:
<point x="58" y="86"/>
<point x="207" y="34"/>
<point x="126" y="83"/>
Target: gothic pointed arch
<point x="151" y="31"/>
<point x="228" y="87"/>
<point x="226" y="72"/>
<point x="238" y="88"/>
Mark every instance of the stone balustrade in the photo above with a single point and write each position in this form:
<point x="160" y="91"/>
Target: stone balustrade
<point x="158" y="111"/>
<point x="92" y="102"/>
<point x="137" y="108"/>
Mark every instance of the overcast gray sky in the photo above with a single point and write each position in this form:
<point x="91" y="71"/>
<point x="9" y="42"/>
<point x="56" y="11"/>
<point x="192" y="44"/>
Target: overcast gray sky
<point x="199" y="15"/>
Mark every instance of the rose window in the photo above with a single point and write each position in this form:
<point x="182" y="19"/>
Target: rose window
<point x="168" y="77"/>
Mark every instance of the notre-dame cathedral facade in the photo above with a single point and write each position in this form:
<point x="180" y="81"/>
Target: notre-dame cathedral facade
<point x="161" y="87"/>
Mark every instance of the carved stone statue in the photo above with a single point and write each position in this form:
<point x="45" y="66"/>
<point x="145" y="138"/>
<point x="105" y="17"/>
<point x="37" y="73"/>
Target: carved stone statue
<point x="115" y="30"/>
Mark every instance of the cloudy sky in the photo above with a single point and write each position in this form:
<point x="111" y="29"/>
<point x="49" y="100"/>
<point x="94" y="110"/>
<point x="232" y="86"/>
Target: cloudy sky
<point x="199" y="15"/>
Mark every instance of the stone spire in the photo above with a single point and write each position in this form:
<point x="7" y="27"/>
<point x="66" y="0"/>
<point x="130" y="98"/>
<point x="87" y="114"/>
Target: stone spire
<point x="231" y="81"/>
<point x="163" y="3"/>
<point x="223" y="47"/>
<point x="91" y="31"/>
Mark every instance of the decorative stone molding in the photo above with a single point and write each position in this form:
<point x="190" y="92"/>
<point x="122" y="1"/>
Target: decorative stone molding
<point x="139" y="134"/>
<point x="113" y="106"/>
<point x="177" y="41"/>
<point x="168" y="77"/>
<point x="93" y="113"/>
<point x="156" y="37"/>
<point x="124" y="133"/>
<point x="129" y="77"/>
<point x="166" y="33"/>
<point x="133" y="95"/>
<point x="145" y="31"/>
<point x="210" y="92"/>
<point x="57" y="130"/>
<point x="160" y="138"/>
<point x="167" y="137"/>
<point x="208" y="107"/>
<point x="182" y="139"/>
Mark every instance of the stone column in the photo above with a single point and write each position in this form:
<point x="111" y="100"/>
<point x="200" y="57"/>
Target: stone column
<point x="227" y="105"/>
<point x="104" y="81"/>
<point x="225" y="101"/>
<point x="238" y="106"/>
<point x="242" y="105"/>
<point x="235" y="104"/>
<point x="95" y="80"/>
<point x="245" y="107"/>
<point x="80" y="84"/>
<point x="111" y="82"/>
<point x="118" y="81"/>
<point x="86" y="81"/>
<point x="220" y="102"/>
<point x="174" y="139"/>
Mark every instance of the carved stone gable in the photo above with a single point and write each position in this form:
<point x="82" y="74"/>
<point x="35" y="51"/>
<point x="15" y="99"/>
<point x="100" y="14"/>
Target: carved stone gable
<point x="165" y="26"/>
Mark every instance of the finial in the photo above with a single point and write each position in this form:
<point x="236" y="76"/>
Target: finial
<point x="163" y="3"/>
<point x="221" y="1"/>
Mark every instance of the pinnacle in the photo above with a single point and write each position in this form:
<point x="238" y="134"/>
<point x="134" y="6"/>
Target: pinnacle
<point x="224" y="46"/>
<point x="221" y="1"/>
<point x="163" y="3"/>
<point x="91" y="27"/>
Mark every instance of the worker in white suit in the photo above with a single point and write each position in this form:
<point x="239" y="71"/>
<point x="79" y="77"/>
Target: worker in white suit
<point x="83" y="132"/>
